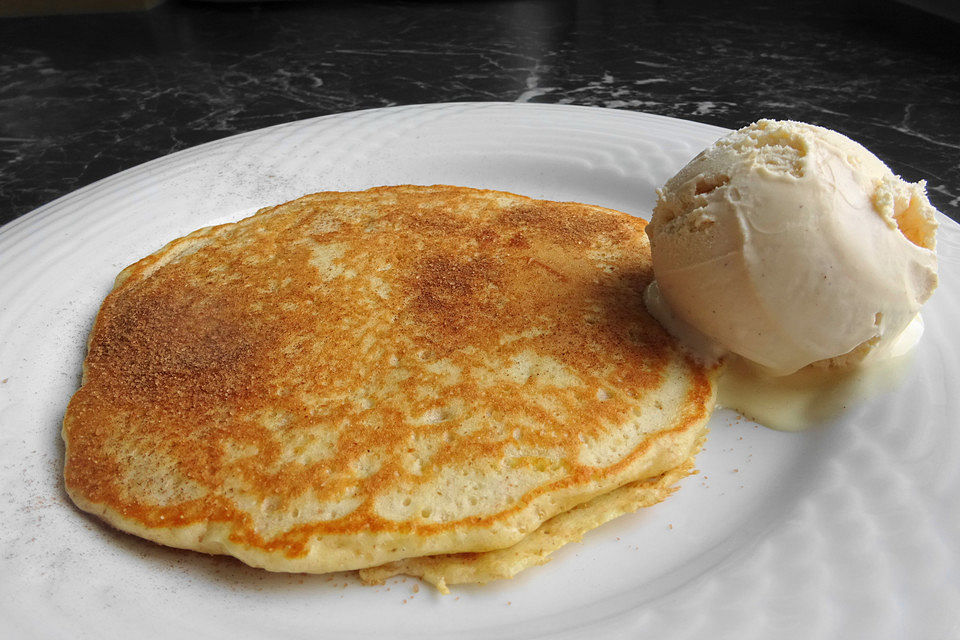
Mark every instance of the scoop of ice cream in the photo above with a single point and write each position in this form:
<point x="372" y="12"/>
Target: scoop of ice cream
<point x="789" y="244"/>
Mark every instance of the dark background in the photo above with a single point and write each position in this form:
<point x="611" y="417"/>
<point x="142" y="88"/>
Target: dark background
<point x="85" y="96"/>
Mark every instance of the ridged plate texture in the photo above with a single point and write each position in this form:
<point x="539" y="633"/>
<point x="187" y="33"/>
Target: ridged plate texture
<point x="848" y="530"/>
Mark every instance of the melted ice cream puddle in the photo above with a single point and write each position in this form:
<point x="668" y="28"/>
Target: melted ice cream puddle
<point x="814" y="395"/>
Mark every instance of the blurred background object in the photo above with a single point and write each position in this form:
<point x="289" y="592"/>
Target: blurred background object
<point x="51" y="7"/>
<point x="944" y="8"/>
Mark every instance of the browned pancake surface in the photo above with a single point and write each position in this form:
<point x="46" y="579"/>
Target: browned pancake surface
<point x="351" y="378"/>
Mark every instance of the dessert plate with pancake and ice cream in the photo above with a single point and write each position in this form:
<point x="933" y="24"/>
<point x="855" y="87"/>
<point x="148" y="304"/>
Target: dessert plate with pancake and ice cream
<point x="453" y="383"/>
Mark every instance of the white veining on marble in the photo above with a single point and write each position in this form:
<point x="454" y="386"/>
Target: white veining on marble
<point x="85" y="97"/>
<point x="533" y="84"/>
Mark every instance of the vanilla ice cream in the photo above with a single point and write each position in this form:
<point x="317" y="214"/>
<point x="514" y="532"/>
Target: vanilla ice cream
<point x="789" y="244"/>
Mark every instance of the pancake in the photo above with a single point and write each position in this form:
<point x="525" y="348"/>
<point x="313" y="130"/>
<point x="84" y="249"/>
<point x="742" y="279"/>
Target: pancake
<point x="534" y="549"/>
<point x="351" y="379"/>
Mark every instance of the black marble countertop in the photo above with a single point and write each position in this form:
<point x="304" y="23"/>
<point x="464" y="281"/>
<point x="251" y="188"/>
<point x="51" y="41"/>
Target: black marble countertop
<point x="83" y="97"/>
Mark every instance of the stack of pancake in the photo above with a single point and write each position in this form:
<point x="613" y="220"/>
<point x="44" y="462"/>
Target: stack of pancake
<point x="437" y="381"/>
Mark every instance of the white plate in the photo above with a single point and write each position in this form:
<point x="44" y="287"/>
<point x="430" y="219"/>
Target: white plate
<point x="848" y="530"/>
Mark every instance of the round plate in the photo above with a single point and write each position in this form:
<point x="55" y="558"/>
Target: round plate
<point x="846" y="530"/>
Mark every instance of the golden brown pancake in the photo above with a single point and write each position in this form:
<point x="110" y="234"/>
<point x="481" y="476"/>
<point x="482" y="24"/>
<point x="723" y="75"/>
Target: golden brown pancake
<point x="350" y="379"/>
<point x="534" y="549"/>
